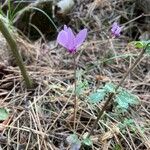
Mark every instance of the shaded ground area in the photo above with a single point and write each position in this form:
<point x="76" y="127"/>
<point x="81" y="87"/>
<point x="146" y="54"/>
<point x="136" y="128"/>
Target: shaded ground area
<point x="42" y="118"/>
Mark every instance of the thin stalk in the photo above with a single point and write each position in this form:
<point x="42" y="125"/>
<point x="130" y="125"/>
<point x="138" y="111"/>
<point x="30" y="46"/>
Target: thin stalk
<point x="15" y="52"/>
<point x="111" y="95"/>
<point x="75" y="96"/>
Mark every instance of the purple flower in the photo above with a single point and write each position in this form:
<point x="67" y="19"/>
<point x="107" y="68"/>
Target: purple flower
<point x="71" y="42"/>
<point x="116" y="29"/>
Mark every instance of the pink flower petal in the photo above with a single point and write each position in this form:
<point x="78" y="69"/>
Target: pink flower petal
<point x="80" y="37"/>
<point x="65" y="28"/>
<point x="116" y="29"/>
<point x="67" y="39"/>
<point x="62" y="38"/>
<point x="117" y="32"/>
<point x="71" y="38"/>
<point x="115" y="24"/>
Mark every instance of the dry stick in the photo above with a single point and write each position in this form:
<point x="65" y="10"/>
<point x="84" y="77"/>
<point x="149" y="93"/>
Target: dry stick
<point x="133" y="19"/>
<point x="138" y="17"/>
<point x="111" y="95"/>
<point x="75" y="99"/>
<point x="15" y="52"/>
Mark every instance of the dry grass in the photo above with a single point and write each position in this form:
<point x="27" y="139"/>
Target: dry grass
<point x="42" y="118"/>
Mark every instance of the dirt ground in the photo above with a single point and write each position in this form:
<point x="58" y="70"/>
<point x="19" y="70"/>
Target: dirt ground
<point x="42" y="118"/>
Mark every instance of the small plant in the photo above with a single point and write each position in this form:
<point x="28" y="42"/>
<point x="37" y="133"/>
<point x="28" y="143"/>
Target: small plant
<point x="127" y="123"/>
<point x="75" y="143"/>
<point x="71" y="42"/>
<point x="123" y="99"/>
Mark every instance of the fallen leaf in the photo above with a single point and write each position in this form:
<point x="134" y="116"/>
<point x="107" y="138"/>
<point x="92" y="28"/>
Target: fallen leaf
<point x="102" y="78"/>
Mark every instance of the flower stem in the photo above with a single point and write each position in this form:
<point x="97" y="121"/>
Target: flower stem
<point x="111" y="95"/>
<point x="15" y="52"/>
<point x="75" y="96"/>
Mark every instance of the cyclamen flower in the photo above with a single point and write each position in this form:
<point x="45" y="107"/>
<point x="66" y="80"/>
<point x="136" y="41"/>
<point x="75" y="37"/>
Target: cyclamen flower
<point x="116" y="29"/>
<point x="71" y="42"/>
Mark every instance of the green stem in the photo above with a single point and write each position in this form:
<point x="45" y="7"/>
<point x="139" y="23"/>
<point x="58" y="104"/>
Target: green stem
<point x="111" y="95"/>
<point x="15" y="52"/>
<point x="75" y="86"/>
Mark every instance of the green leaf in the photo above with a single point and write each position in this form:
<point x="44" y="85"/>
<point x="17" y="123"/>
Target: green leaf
<point x="97" y="96"/>
<point x="74" y="142"/>
<point x="148" y="48"/>
<point x="125" y="98"/>
<point x="121" y="103"/>
<point x="4" y="114"/>
<point x="142" y="44"/>
<point x="138" y="44"/>
<point x="81" y="86"/>
<point x="128" y="122"/>
<point x="110" y="87"/>
<point x="87" y="140"/>
<point x="117" y="147"/>
<point x="100" y="94"/>
<point x="72" y="138"/>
